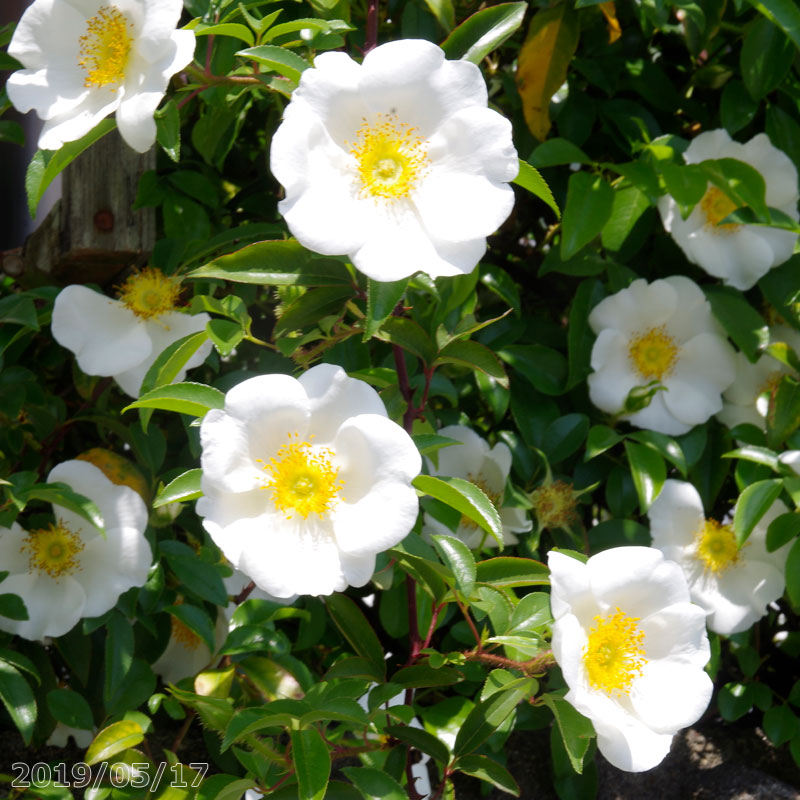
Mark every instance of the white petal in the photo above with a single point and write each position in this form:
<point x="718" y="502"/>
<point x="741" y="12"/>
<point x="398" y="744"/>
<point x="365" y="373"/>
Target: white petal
<point x="638" y="308"/>
<point x="101" y="574"/>
<point x="159" y="20"/>
<point x="458" y="461"/>
<point x="378" y="461"/>
<point x="78" y="121"/>
<point x="739" y="257"/>
<point x="676" y="515"/>
<point x="570" y="588"/>
<point x="658" y="417"/>
<point x="54" y="606"/>
<point x="692" y="314"/>
<point x="614" y="375"/>
<point x="334" y="397"/>
<point x="711" y="144"/>
<point x="742" y="595"/>
<point x="357" y="570"/>
<point x="677" y="634"/>
<point x="227" y="460"/>
<point x="49" y="91"/>
<point x="632" y="747"/>
<point x="47" y="35"/>
<point x="12" y="556"/>
<point x="515" y="519"/>
<point x="105" y="336"/>
<point x="637" y="580"/>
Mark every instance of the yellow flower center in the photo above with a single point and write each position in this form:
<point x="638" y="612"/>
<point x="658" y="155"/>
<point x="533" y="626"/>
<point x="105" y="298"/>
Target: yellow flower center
<point x="184" y="635"/>
<point x="391" y="157"/>
<point x="554" y="505"/>
<point x="53" y="550"/>
<point x="303" y="479"/>
<point x="716" y="546"/>
<point x="149" y="293"/>
<point x="614" y="656"/>
<point x="105" y="47"/>
<point x="716" y="205"/>
<point x="653" y="354"/>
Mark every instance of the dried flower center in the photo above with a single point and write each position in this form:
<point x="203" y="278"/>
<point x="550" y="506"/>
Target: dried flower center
<point x="554" y="504"/>
<point x="614" y="656"/>
<point x="184" y="635"/>
<point x="716" y="205"/>
<point x="494" y="498"/>
<point x="149" y="293"/>
<point x="716" y="546"/>
<point x="303" y="479"/>
<point x="105" y="47"/>
<point x="53" y="550"/>
<point x="391" y="157"/>
<point x="653" y="354"/>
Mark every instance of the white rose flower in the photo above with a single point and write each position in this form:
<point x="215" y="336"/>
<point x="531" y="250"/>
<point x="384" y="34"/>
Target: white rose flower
<point x="733" y="585"/>
<point x="85" y="59"/>
<point x="747" y="398"/>
<point x="661" y="331"/>
<point x="396" y="162"/>
<point x="739" y="254"/>
<point x="488" y="469"/>
<point x="70" y="570"/>
<point x="305" y="481"/>
<point x="122" y="338"/>
<point x="186" y="653"/>
<point x="631" y="648"/>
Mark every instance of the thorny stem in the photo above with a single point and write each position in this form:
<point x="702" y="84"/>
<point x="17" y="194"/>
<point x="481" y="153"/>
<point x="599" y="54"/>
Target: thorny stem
<point x="441" y="787"/>
<point x="533" y="666"/>
<point x="413" y="623"/>
<point x="371" y="38"/>
<point x="405" y="387"/>
<point x="244" y="594"/>
<point x="468" y="618"/>
<point x="432" y="627"/>
<point x="183" y="731"/>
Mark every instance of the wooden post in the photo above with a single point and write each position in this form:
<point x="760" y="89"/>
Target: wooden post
<point x="92" y="233"/>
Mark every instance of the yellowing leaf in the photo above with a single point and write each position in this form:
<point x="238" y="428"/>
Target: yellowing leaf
<point x="610" y="12"/>
<point x="543" y="61"/>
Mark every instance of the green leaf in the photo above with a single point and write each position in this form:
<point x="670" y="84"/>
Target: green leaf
<point x="793" y="575"/>
<point x="423" y="676"/>
<point x="686" y="183"/>
<point x="114" y="739"/>
<point x="555" y="152"/>
<point x="780" y="724"/>
<point x="475" y="356"/>
<point x="665" y="445"/>
<point x="590" y="200"/>
<point x="600" y="439"/>
<point x="311" y="307"/>
<point x="225" y="334"/>
<point x="12" y="606"/>
<point x="752" y="504"/>
<point x="374" y="784"/>
<point x="197" y="620"/>
<point x="737" y="108"/>
<point x="630" y="203"/>
<point x="508" y="572"/>
<point x="784" y="13"/>
<point x="168" y="129"/>
<point x="735" y="700"/>
<point x="237" y="31"/>
<point x="118" y="654"/>
<point x="312" y="763"/>
<point x="196" y="575"/>
<point x="410" y="336"/>
<point x="529" y="179"/>
<point x="428" y="443"/>
<point x="223" y="787"/>
<point x="485" y="769"/>
<point x="278" y="59"/>
<point x="648" y="470"/>
<point x="576" y="731"/>
<point x="484" y="31"/>
<point x="564" y="436"/>
<point x="489" y="714"/>
<point x="46" y="164"/>
<point x="758" y="455"/>
<point x="444" y="12"/>
<point x="466" y="498"/>
<point x="59" y="494"/>
<point x="70" y="708"/>
<point x="742" y="322"/>
<point x="424" y="742"/>
<point x="782" y="530"/>
<point x="783" y="414"/>
<point x="544" y="367"/>
<point x="350" y="620"/>
<point x="275" y="263"/>
<point x="180" y="490"/>
<point x="18" y="699"/>
<point x="382" y="298"/>
<point x="12" y="132"/>
<point x="195" y="399"/>
<point x="20" y="309"/>
<point x="275" y="714"/>
<point x="765" y="58"/>
<point x="459" y="558"/>
<point x="743" y="184"/>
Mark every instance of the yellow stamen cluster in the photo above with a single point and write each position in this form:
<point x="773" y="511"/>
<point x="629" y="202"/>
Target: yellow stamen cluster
<point x="653" y="353"/>
<point x="716" y="205"/>
<point x="716" y="546"/>
<point x="614" y="655"/>
<point x="303" y="479"/>
<point x="494" y="498"/>
<point x="184" y="635"/>
<point x="53" y="550"/>
<point x="391" y="157"/>
<point x="554" y="505"/>
<point x="149" y="293"/>
<point x="105" y="47"/>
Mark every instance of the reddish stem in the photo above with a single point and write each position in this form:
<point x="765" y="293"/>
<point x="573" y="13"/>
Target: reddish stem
<point x="371" y="39"/>
<point x="244" y="594"/>
<point x="432" y="627"/>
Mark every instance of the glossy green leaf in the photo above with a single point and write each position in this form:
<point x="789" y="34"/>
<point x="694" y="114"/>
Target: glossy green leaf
<point x="475" y="356"/>
<point x="793" y="575"/>
<point x="666" y="445"/>
<point x="557" y="151"/>
<point x="743" y="184"/>
<point x="459" y="558"/>
<point x="783" y="414"/>
<point x="350" y="620"/>
<point x="223" y="787"/>
<point x="195" y="399"/>
<point x="529" y="179"/>
<point x="118" y="654"/>
<point x="278" y="59"/>
<point x="382" y="298"/>
<point x="12" y="606"/>
<point x="410" y="336"/>
<point x="782" y="529"/>
<point x="168" y="129"/>
<point x="312" y="763"/>
<point x="374" y="783"/>
<point x="509" y="572"/>
<point x="195" y="574"/>
<point x="590" y="201"/>
<point x="544" y="367"/>
<point x="70" y="708"/>
<point x="781" y="724"/>
<point x="424" y="742"/>
<point x="484" y="31"/>
<point x="753" y="503"/>
<point x="742" y="322"/>
<point x="564" y="436"/>
<point x="486" y="769"/>
<point x="18" y="699"/>
<point x="686" y="183"/>
<point x="241" y="32"/>
<point x="737" y="107"/>
<point x="59" y="494"/>
<point x="466" y="498"/>
<point x="648" y="470"/>
<point x="576" y="731"/>
<point x="180" y="490"/>
<point x="784" y="13"/>
<point x="114" y="739"/>
<point x="765" y="58"/>
<point x="600" y="439"/>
